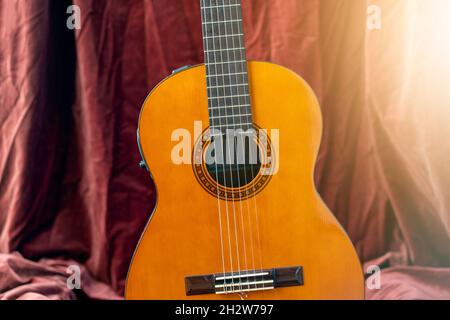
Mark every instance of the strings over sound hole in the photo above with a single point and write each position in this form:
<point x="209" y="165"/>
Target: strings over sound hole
<point x="233" y="160"/>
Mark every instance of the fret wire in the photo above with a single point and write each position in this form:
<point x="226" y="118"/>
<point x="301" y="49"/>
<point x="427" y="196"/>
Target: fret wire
<point x="225" y="21"/>
<point x="232" y="125"/>
<point x="228" y="97"/>
<point x="218" y="37"/>
<point x="226" y="62"/>
<point x="216" y="112"/>
<point x="215" y="7"/>
<point x="235" y="106"/>
<point x="231" y="116"/>
<point x="226" y="70"/>
<point x="229" y="85"/>
<point x="226" y="49"/>
<point x="226" y="74"/>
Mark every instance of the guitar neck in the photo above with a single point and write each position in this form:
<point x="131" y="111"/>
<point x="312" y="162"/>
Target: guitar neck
<point x="226" y="65"/>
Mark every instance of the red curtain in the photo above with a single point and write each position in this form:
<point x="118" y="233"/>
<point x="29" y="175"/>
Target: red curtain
<point x="71" y="191"/>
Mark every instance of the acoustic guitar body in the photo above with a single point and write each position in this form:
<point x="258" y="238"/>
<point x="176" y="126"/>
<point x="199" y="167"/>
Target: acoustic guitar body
<point x="190" y="244"/>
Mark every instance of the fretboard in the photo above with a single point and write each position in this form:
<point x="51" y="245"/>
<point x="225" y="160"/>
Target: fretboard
<point x="226" y="65"/>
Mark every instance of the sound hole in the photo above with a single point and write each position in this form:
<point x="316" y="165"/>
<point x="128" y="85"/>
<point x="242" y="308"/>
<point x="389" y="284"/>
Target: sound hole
<point x="233" y="160"/>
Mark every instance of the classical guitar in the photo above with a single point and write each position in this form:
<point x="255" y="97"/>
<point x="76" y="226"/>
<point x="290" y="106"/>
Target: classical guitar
<point x="231" y="146"/>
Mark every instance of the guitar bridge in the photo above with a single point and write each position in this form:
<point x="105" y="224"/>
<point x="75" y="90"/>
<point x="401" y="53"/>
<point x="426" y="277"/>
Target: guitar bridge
<point x="244" y="281"/>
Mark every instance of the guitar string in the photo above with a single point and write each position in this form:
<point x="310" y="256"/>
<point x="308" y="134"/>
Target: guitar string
<point x="248" y="102"/>
<point x="227" y="147"/>
<point x="233" y="116"/>
<point x="205" y="31"/>
<point x="230" y="248"/>
<point x="236" y="71"/>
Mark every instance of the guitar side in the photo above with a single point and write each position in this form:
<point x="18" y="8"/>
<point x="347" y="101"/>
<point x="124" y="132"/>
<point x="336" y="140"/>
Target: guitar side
<point x="285" y="224"/>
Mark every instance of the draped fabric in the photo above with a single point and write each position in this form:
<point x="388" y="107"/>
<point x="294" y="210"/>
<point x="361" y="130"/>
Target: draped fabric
<point x="71" y="192"/>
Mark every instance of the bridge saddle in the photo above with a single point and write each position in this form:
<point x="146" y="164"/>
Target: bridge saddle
<point x="244" y="281"/>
